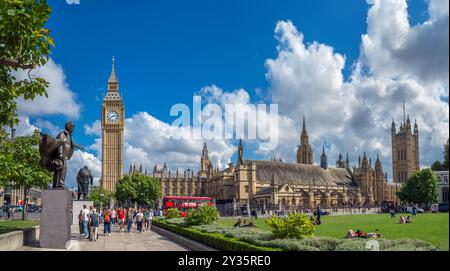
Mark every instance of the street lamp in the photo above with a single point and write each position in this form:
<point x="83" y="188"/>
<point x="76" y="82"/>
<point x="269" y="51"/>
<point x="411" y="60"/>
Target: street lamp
<point x="189" y="175"/>
<point x="101" y="201"/>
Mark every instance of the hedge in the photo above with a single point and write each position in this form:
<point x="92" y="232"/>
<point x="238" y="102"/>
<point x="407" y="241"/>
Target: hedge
<point x="214" y="240"/>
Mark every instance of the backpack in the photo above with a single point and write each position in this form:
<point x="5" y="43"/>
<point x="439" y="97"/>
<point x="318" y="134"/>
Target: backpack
<point x="94" y="220"/>
<point x="107" y="218"/>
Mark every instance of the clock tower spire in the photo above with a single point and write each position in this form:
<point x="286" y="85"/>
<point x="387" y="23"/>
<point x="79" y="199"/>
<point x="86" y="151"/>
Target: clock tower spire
<point x="113" y="119"/>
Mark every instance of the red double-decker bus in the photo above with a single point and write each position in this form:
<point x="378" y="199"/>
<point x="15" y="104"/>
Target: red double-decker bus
<point x="184" y="203"/>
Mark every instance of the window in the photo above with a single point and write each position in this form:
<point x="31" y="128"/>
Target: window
<point x="445" y="194"/>
<point x="246" y="188"/>
<point x="405" y="155"/>
<point x="286" y="189"/>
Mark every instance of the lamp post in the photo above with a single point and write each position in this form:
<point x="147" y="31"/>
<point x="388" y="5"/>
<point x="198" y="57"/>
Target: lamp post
<point x="101" y="201"/>
<point x="188" y="182"/>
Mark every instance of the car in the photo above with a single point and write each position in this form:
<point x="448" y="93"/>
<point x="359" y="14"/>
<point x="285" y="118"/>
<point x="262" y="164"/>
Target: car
<point x="434" y="208"/>
<point x="443" y="207"/>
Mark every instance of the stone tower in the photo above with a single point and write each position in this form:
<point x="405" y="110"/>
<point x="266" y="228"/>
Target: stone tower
<point x="113" y="117"/>
<point x="205" y="163"/>
<point x="304" y="151"/>
<point x="323" y="159"/>
<point x="405" y="149"/>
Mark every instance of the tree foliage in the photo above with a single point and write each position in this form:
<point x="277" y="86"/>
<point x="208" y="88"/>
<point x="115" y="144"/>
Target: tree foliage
<point x="24" y="44"/>
<point x="446" y="165"/>
<point x="139" y="188"/>
<point x="173" y="213"/>
<point x="421" y="187"/>
<point x="19" y="164"/>
<point x="438" y="165"/>
<point x="100" y="196"/>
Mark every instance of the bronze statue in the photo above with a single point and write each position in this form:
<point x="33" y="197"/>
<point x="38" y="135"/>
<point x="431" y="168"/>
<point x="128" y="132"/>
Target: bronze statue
<point x="56" y="152"/>
<point x="84" y="177"/>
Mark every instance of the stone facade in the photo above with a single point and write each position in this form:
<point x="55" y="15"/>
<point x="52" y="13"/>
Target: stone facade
<point x="113" y="117"/>
<point x="277" y="184"/>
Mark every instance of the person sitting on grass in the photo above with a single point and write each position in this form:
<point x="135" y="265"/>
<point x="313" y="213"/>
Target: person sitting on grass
<point x="408" y="219"/>
<point x="402" y="220"/>
<point x="351" y="234"/>
<point x="238" y="223"/>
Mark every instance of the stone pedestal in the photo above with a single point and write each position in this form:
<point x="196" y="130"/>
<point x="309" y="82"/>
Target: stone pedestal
<point x="56" y="218"/>
<point x="77" y="206"/>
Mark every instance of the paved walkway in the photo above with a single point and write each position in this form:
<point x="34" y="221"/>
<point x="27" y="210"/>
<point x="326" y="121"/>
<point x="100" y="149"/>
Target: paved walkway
<point x="118" y="241"/>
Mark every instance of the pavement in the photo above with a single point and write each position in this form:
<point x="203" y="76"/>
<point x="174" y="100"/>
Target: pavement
<point x="117" y="241"/>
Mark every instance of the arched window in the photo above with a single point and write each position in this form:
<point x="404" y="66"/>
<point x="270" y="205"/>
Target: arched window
<point x="246" y="188"/>
<point x="293" y="202"/>
<point x="283" y="201"/>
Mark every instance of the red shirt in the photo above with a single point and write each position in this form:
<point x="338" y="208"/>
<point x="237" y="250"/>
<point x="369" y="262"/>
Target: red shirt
<point x="121" y="214"/>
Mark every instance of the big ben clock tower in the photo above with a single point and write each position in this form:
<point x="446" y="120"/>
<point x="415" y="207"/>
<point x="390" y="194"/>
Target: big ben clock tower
<point x="113" y="117"/>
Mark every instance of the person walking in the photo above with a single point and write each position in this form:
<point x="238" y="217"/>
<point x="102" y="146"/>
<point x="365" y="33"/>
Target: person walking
<point x="149" y="219"/>
<point x="144" y="221"/>
<point x="139" y="220"/>
<point x="319" y="214"/>
<point x="94" y="222"/>
<point x="414" y="211"/>
<point x="80" y="222"/>
<point x="121" y="217"/>
<point x="106" y="222"/>
<point x="85" y="217"/>
<point x="113" y="216"/>
<point x="129" y="218"/>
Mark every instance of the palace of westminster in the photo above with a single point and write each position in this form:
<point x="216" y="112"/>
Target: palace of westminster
<point x="273" y="183"/>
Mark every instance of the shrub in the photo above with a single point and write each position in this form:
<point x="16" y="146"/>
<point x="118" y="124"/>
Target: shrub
<point x="296" y="225"/>
<point x="406" y="245"/>
<point x="203" y="215"/>
<point x="176" y="220"/>
<point x="172" y="213"/>
<point x="215" y="240"/>
<point x="322" y="243"/>
<point x="352" y="245"/>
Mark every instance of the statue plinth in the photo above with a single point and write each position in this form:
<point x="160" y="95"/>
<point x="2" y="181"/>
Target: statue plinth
<point x="56" y="218"/>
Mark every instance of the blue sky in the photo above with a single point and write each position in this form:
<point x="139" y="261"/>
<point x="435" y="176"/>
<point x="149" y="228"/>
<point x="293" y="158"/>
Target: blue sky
<point x="168" y="50"/>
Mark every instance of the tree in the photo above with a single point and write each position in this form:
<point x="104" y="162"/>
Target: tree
<point x="437" y="165"/>
<point x="138" y="188"/>
<point x="421" y="187"/>
<point x="24" y="45"/>
<point x="19" y="166"/>
<point x="446" y="165"/>
<point x="100" y="196"/>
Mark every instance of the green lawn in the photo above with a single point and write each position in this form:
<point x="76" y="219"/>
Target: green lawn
<point x="16" y="225"/>
<point x="432" y="228"/>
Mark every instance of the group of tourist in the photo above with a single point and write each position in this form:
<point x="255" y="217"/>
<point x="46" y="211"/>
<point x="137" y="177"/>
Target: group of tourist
<point x="90" y="220"/>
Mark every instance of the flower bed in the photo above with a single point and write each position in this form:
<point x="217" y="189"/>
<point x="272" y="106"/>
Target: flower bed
<point x="244" y="239"/>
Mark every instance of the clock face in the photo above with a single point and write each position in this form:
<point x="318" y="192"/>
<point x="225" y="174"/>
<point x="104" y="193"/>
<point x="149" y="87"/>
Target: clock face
<point x="113" y="116"/>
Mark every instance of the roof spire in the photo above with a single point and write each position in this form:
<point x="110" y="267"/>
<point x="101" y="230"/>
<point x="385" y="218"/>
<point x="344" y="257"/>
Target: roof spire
<point x="113" y="77"/>
<point x="404" y="112"/>
<point x="304" y="123"/>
